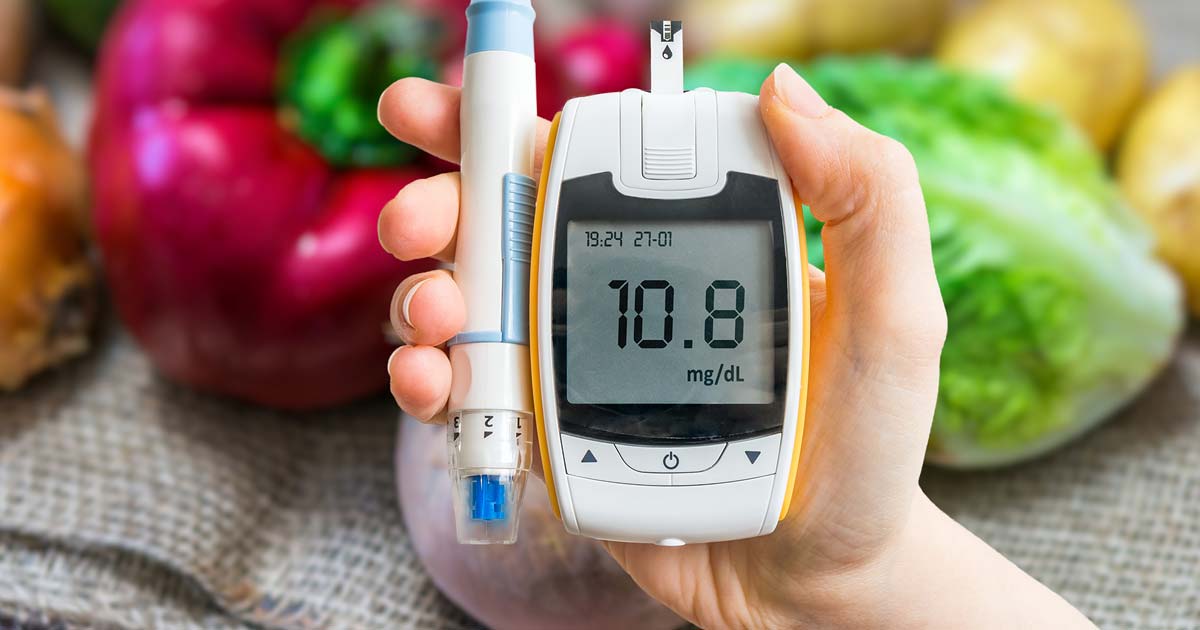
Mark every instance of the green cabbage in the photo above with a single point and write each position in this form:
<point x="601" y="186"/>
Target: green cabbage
<point x="1058" y="313"/>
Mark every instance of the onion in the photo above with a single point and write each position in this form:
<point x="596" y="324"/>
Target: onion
<point x="548" y="580"/>
<point x="47" y="285"/>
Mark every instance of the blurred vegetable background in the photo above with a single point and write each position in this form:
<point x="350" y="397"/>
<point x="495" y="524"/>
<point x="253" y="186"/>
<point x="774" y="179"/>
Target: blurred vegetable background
<point x="803" y="28"/>
<point x="1160" y="172"/>
<point x="236" y="169"/>
<point x="1085" y="58"/>
<point x="82" y="21"/>
<point x="46" y="279"/>
<point x="16" y="23"/>
<point x="238" y="173"/>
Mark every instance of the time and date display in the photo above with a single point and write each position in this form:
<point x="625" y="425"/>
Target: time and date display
<point x="635" y="238"/>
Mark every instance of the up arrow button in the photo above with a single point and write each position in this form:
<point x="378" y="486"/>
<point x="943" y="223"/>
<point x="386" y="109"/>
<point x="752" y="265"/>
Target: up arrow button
<point x="753" y="456"/>
<point x="599" y="461"/>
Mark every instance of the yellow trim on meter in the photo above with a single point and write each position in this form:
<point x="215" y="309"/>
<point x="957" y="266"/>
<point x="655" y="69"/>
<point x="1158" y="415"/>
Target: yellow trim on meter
<point x="791" y="485"/>
<point x="535" y="369"/>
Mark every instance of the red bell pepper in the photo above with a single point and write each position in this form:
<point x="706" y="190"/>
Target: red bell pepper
<point x="237" y="184"/>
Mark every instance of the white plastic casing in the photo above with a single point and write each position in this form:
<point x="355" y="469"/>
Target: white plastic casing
<point x="490" y="358"/>
<point x="499" y="114"/>
<point x="611" y="133"/>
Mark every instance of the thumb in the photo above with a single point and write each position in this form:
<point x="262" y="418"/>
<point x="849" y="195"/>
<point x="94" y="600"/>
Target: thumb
<point x="864" y="186"/>
<point x="876" y="347"/>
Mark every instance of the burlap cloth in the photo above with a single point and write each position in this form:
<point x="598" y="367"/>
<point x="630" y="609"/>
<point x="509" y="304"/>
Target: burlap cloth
<point x="128" y="502"/>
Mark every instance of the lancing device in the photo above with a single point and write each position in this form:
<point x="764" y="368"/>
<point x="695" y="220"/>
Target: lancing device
<point x="491" y="408"/>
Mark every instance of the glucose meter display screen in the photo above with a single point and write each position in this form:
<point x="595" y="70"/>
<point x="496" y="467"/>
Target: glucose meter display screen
<point x="670" y="312"/>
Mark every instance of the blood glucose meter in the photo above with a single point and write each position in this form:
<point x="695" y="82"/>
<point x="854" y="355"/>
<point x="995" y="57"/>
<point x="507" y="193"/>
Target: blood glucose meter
<point x="668" y="314"/>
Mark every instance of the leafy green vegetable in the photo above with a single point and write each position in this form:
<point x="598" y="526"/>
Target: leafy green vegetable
<point x="1058" y="312"/>
<point x="83" y="21"/>
<point x="334" y="69"/>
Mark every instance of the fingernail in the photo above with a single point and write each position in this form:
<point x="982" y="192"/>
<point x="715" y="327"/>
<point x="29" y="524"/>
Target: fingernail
<point x="379" y="105"/>
<point x="406" y="303"/>
<point x="391" y="358"/>
<point x="796" y="94"/>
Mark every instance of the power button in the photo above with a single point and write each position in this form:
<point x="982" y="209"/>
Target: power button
<point x="670" y="459"/>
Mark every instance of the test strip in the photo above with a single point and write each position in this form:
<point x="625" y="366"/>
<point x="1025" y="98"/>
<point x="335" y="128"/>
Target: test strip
<point x="666" y="57"/>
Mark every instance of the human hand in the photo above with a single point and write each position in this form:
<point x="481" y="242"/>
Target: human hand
<point x="859" y="522"/>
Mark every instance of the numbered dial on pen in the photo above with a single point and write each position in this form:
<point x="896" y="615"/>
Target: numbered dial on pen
<point x="489" y="438"/>
<point x="487" y="424"/>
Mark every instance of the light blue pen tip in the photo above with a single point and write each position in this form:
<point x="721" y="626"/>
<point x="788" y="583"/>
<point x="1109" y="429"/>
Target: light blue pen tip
<point x="500" y="25"/>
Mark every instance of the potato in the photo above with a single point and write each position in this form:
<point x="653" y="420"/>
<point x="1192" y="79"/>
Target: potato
<point x="1086" y="58"/>
<point x="797" y="29"/>
<point x="1159" y="169"/>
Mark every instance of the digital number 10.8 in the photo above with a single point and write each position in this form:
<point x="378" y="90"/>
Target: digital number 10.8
<point x="668" y="316"/>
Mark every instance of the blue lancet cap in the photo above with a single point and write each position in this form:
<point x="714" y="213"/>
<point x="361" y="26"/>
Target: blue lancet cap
<point x="500" y="25"/>
<point x="489" y="498"/>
